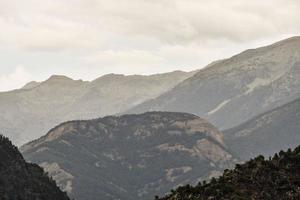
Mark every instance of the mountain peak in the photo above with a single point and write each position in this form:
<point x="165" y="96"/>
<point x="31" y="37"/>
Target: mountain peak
<point x="30" y="85"/>
<point x="59" y="78"/>
<point x="62" y="80"/>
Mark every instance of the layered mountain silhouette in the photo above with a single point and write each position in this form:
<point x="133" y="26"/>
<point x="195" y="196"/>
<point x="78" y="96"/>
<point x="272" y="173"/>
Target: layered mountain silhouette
<point x="132" y="156"/>
<point x="232" y="91"/>
<point x="267" y="133"/>
<point x="24" y="181"/>
<point x="254" y="96"/>
<point x="28" y="113"/>
<point x="258" y="179"/>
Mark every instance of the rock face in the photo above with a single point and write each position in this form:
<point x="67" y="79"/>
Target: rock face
<point x="130" y="157"/>
<point x="21" y="180"/>
<point x="232" y="91"/>
<point x="61" y="99"/>
<point x="267" y="133"/>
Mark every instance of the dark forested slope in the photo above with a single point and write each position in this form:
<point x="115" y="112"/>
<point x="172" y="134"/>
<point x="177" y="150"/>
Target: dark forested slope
<point x="22" y="181"/>
<point x="277" y="178"/>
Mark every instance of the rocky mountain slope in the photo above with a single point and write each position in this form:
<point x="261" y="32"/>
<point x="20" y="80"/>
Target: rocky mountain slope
<point x="232" y="91"/>
<point x="130" y="157"/>
<point x="20" y="180"/>
<point x="258" y="179"/>
<point x="267" y="133"/>
<point x="28" y="113"/>
<point x="31" y="85"/>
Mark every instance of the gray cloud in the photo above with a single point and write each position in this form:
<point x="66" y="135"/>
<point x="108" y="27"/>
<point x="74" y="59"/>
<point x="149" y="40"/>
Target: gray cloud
<point x="142" y="36"/>
<point x="64" y="24"/>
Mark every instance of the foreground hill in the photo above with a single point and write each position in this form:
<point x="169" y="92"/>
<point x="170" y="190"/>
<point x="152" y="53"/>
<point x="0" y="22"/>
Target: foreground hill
<point x="130" y="157"/>
<point x="274" y="179"/>
<point x="37" y="107"/>
<point x="267" y="133"/>
<point x="232" y="91"/>
<point x="20" y="180"/>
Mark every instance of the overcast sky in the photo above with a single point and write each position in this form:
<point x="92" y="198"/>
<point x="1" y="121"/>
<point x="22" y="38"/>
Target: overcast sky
<point x="84" y="39"/>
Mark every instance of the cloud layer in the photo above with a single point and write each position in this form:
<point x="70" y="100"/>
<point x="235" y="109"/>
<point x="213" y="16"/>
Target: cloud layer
<point x="53" y="24"/>
<point x="14" y="79"/>
<point x="165" y="34"/>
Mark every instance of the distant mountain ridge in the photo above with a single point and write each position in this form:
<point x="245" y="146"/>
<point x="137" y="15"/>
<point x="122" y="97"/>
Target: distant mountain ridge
<point x="232" y="91"/>
<point x="29" y="112"/>
<point x="21" y="180"/>
<point x="267" y="133"/>
<point x="130" y="157"/>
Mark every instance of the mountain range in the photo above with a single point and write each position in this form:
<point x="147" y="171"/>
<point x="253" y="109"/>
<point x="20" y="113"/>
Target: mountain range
<point x="132" y="156"/>
<point x="30" y="112"/>
<point x="158" y="142"/>
<point x="24" y="181"/>
<point x="232" y="91"/>
<point x="254" y="81"/>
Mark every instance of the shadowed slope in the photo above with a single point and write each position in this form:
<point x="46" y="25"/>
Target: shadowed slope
<point x="20" y="180"/>
<point x="267" y="133"/>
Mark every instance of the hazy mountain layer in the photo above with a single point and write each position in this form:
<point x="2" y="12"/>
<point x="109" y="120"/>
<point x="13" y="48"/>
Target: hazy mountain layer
<point x="267" y="133"/>
<point x="130" y="157"/>
<point x="258" y="179"/>
<point x="234" y="90"/>
<point x="28" y="113"/>
<point x="23" y="181"/>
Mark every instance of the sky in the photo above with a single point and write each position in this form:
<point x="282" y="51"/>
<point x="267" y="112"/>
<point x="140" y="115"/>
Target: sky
<point x="84" y="39"/>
